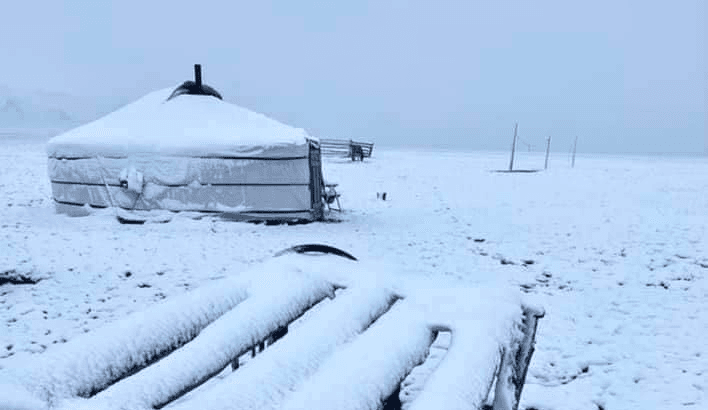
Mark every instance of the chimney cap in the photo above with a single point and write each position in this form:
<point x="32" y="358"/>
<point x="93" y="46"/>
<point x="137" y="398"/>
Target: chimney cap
<point x="196" y="87"/>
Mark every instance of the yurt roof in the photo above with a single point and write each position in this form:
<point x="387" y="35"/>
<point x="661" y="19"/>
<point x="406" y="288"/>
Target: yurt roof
<point x="183" y="125"/>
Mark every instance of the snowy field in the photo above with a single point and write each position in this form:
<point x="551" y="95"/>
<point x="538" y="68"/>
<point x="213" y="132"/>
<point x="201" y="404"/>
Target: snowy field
<point x="614" y="249"/>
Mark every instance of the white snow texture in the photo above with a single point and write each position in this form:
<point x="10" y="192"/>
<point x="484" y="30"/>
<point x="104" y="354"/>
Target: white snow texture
<point x="614" y="249"/>
<point x="188" y="125"/>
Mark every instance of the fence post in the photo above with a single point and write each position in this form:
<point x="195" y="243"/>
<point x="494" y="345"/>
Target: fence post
<point x="548" y="149"/>
<point x="575" y="147"/>
<point x="513" y="147"/>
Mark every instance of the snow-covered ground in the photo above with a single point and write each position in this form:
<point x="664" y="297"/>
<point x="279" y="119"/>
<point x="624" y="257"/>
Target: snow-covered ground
<point x="614" y="249"/>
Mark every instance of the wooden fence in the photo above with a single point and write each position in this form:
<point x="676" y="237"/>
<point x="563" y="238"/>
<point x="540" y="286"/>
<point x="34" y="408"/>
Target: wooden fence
<point x="346" y="148"/>
<point x="449" y="358"/>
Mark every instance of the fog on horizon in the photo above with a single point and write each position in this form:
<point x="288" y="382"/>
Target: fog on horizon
<point x="622" y="76"/>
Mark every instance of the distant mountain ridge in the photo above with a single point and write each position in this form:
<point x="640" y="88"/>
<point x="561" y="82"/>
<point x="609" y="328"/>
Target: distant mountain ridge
<point x="42" y="113"/>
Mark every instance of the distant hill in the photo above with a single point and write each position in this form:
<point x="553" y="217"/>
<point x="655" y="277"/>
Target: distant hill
<point x="44" y="114"/>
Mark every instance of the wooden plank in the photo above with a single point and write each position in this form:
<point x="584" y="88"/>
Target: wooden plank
<point x="380" y="357"/>
<point x="465" y="375"/>
<point x="91" y="362"/>
<point x="526" y="348"/>
<point x="335" y="147"/>
<point x="235" y="333"/>
<point x="282" y="368"/>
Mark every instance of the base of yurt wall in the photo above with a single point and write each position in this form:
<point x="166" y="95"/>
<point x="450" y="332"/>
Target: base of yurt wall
<point x="229" y="198"/>
<point x="75" y="210"/>
<point x="164" y="215"/>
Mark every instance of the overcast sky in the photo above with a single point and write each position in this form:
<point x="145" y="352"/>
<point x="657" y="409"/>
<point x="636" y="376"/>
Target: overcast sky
<point x="625" y="76"/>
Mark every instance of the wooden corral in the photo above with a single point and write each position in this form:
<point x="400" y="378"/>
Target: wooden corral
<point x="356" y="150"/>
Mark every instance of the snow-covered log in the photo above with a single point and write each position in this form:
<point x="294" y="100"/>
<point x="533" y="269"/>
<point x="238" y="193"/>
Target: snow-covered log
<point x="414" y="383"/>
<point x="265" y="382"/>
<point x="269" y="307"/>
<point x="465" y="375"/>
<point x="93" y="361"/>
<point x="365" y="372"/>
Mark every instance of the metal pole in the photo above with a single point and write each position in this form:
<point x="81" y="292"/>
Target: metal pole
<point x="548" y="149"/>
<point x="513" y="148"/>
<point x="198" y="75"/>
<point x="575" y="147"/>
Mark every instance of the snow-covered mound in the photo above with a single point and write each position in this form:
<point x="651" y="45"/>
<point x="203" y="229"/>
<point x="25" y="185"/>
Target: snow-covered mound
<point x="190" y="125"/>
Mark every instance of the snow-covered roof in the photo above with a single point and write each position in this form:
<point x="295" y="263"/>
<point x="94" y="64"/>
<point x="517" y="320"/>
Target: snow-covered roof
<point x="193" y="125"/>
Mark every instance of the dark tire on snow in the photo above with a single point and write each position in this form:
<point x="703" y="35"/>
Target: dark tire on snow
<point x="316" y="248"/>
